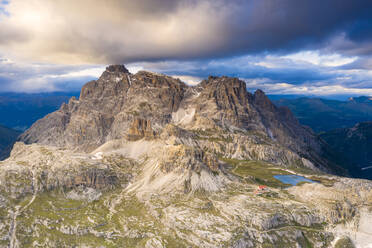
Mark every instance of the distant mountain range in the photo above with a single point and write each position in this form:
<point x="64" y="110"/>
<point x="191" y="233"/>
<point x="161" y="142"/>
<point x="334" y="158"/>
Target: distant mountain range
<point x="353" y="147"/>
<point x="345" y="125"/>
<point x="19" y="110"/>
<point x="7" y="137"/>
<point x="325" y="115"/>
<point x="361" y="99"/>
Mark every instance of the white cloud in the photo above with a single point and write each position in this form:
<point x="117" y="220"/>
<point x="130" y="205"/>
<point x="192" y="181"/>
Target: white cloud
<point x="314" y="57"/>
<point x="134" y="68"/>
<point x="318" y="88"/>
<point x="190" y="80"/>
<point x="36" y="77"/>
<point x="110" y="31"/>
<point x="90" y="72"/>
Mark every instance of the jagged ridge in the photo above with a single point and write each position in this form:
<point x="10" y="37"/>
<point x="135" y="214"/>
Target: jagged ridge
<point x="122" y="105"/>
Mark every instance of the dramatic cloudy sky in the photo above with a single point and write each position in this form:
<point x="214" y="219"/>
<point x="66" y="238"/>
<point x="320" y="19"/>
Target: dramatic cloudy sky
<point x="282" y="46"/>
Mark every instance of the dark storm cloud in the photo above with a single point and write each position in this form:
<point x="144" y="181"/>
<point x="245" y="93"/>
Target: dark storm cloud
<point x="273" y="42"/>
<point x="128" y="31"/>
<point x="295" y="76"/>
<point x="285" y="25"/>
<point x="245" y="68"/>
<point x="276" y="74"/>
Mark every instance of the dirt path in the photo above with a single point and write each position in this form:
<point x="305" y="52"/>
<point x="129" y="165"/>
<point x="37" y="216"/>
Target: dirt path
<point x="18" y="210"/>
<point x="13" y="227"/>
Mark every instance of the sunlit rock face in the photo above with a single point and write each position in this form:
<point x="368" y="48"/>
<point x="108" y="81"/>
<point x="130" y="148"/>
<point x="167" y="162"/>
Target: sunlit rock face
<point x="144" y="160"/>
<point x="123" y="105"/>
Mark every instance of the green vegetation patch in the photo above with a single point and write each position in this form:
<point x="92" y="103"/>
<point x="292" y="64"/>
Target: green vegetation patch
<point x="50" y="213"/>
<point x="325" y="181"/>
<point x="257" y="172"/>
<point x="344" y="242"/>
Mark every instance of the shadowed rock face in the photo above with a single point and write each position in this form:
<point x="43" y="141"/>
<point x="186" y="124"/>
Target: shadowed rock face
<point x="122" y="105"/>
<point x="117" y="68"/>
<point x="92" y="177"/>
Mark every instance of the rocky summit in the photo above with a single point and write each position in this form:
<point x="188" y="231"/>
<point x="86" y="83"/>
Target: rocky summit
<point x="144" y="160"/>
<point x="120" y="105"/>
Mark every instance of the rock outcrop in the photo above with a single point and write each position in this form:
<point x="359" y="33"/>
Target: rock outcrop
<point x="54" y="169"/>
<point x="106" y="109"/>
<point x="122" y="105"/>
<point x="140" y="129"/>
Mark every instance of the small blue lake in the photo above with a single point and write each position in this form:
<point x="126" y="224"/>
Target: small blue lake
<point x="292" y="179"/>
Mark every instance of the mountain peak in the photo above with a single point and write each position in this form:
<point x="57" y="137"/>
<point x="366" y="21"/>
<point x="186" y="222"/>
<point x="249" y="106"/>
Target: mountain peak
<point x="361" y="99"/>
<point x="117" y="68"/>
<point x="259" y="93"/>
<point x="262" y="100"/>
<point x="131" y="107"/>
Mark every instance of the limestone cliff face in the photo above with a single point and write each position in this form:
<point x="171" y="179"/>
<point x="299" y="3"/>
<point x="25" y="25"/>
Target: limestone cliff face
<point x="139" y="129"/>
<point x="226" y="99"/>
<point x="106" y="109"/>
<point x="120" y="105"/>
<point x="53" y="169"/>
